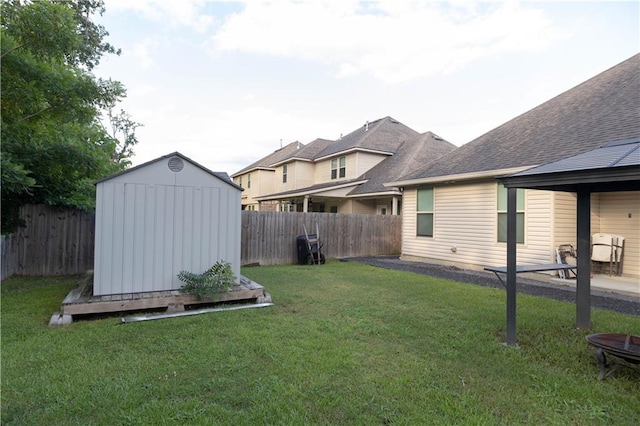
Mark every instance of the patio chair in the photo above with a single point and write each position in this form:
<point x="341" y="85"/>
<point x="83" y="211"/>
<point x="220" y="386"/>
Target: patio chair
<point x="565" y="253"/>
<point x="607" y="249"/>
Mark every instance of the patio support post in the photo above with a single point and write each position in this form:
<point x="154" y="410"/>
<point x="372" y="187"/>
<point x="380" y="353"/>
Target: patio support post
<point x="583" y="290"/>
<point x="305" y="206"/>
<point x="394" y="205"/>
<point x="512" y="195"/>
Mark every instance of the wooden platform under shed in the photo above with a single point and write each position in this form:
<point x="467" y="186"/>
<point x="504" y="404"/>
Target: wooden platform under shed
<point x="80" y="300"/>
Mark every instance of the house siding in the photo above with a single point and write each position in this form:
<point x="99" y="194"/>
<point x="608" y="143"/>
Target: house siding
<point x="262" y="182"/>
<point x="303" y="174"/>
<point x="363" y="207"/>
<point x="323" y="169"/>
<point x="365" y="161"/>
<point x="564" y="218"/>
<point x="465" y="227"/>
<point x="619" y="214"/>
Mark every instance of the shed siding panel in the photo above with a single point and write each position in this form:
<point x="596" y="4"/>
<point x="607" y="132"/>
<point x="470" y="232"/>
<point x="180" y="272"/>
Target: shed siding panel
<point x="620" y="215"/>
<point x="147" y="233"/>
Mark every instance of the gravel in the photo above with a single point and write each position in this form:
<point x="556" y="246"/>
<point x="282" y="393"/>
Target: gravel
<point x="599" y="299"/>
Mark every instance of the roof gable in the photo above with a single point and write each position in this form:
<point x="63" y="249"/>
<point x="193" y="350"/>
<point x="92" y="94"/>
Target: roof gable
<point x="605" y="107"/>
<point x="307" y="153"/>
<point x="273" y="158"/>
<point x="382" y="135"/>
<point x="413" y="154"/>
<point x="163" y="169"/>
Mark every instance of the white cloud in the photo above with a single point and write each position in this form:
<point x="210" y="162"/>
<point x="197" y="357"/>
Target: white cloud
<point x="141" y="55"/>
<point x="394" y="41"/>
<point x="177" y="13"/>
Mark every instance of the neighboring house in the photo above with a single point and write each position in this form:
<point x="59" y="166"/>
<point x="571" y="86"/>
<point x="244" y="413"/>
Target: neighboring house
<point x="347" y="175"/>
<point x="455" y="211"/>
<point x="259" y="177"/>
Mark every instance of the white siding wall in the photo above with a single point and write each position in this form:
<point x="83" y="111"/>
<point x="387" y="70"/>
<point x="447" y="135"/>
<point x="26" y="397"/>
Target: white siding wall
<point x="465" y="218"/>
<point x="146" y="233"/>
<point x="615" y="209"/>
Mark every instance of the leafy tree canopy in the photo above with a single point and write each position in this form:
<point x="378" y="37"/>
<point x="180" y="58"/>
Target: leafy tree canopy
<point x="54" y="145"/>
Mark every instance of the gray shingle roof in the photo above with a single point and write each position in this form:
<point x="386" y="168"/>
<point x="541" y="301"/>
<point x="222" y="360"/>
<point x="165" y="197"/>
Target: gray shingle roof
<point x="604" y="108"/>
<point x="308" y="151"/>
<point x="412" y="154"/>
<point x="383" y="135"/>
<point x="309" y="189"/>
<point x="273" y="158"/>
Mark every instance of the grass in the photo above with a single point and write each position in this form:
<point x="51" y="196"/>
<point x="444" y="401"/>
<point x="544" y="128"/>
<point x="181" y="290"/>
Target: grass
<point x="345" y="343"/>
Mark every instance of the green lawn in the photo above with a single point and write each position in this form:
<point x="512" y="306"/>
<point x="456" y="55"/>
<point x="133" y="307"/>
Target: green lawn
<point x="345" y="343"/>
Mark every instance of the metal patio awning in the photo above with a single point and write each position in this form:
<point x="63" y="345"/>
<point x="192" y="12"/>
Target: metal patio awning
<point x="612" y="167"/>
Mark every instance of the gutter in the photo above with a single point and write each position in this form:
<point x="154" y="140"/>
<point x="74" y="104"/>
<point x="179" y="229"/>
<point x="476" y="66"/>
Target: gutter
<point x="308" y="192"/>
<point x="458" y="177"/>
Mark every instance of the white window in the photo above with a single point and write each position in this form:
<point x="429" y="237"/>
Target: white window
<point x="339" y="167"/>
<point x="284" y="173"/>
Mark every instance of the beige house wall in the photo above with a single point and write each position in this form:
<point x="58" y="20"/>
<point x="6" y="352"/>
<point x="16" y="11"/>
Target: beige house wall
<point x="365" y="161"/>
<point x="363" y="207"/>
<point x="303" y="174"/>
<point x="356" y="164"/>
<point x="300" y="174"/>
<point x="564" y="218"/>
<point x="465" y="227"/>
<point x="619" y="214"/>
<point x="262" y="182"/>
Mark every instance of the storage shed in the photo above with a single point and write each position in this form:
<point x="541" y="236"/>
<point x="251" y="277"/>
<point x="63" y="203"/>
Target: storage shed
<point x="162" y="217"/>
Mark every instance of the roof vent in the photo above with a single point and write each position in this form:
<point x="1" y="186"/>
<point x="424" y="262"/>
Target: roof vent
<point x="176" y="164"/>
<point x="366" y="126"/>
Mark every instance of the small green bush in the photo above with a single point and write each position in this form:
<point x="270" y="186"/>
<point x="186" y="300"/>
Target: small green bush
<point x="210" y="284"/>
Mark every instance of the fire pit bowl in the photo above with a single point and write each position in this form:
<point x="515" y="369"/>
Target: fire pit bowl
<point x="625" y="348"/>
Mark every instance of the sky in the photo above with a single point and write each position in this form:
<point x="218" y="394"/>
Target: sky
<point x="227" y="83"/>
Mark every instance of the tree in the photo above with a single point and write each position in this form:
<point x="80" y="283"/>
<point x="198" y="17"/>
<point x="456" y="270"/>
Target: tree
<point x="123" y="134"/>
<point x="54" y="145"/>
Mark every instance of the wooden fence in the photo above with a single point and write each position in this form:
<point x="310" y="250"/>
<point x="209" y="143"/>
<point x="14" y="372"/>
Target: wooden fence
<point x="55" y="241"/>
<point x="60" y="241"/>
<point x="269" y="238"/>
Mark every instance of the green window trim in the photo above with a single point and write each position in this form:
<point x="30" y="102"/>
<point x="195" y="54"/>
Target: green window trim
<point x="502" y="215"/>
<point x="424" y="212"/>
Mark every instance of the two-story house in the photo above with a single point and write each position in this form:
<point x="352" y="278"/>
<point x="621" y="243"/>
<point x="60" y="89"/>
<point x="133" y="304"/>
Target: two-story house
<point x="259" y="178"/>
<point x="347" y="175"/>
